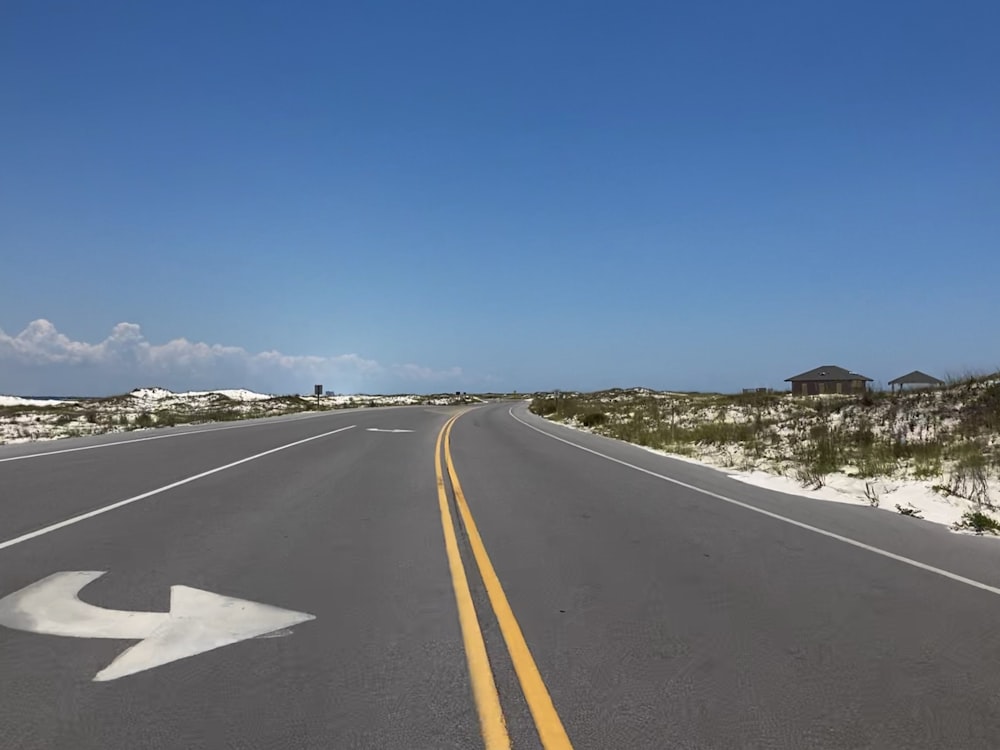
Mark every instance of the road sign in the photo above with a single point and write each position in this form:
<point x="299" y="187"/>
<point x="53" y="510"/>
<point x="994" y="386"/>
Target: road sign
<point x="198" y="621"/>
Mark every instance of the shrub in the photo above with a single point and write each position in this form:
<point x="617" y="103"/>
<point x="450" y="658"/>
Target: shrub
<point x="593" y="418"/>
<point x="978" y="522"/>
<point x="543" y="406"/>
<point x="982" y="415"/>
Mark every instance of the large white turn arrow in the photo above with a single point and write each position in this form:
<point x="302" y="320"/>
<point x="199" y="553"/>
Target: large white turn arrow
<point x="198" y="621"/>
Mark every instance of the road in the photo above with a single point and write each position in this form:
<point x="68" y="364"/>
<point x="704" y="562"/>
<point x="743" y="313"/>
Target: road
<point x="469" y="578"/>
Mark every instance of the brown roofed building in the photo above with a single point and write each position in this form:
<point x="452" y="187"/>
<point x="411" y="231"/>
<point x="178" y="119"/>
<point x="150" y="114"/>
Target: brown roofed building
<point x="828" y="379"/>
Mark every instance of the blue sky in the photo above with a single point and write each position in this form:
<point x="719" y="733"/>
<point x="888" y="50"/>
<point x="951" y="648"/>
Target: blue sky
<point x="406" y="196"/>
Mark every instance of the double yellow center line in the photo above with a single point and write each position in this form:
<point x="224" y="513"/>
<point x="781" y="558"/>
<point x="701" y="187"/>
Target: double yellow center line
<point x="484" y="690"/>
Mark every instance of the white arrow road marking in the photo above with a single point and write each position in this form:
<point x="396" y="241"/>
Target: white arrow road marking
<point x="378" y="429"/>
<point x="198" y="621"/>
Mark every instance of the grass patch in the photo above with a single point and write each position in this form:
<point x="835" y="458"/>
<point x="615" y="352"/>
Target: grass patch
<point x="927" y="459"/>
<point x="969" y="477"/>
<point x="809" y="477"/>
<point x="876" y="459"/>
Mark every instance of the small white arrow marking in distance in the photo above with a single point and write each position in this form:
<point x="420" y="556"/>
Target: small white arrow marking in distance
<point x="198" y="621"/>
<point x="378" y="429"/>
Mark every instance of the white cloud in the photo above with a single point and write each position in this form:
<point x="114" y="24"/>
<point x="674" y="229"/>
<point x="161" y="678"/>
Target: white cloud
<point x="40" y="360"/>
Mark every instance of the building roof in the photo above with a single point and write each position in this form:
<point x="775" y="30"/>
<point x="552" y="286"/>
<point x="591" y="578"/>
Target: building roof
<point x="828" y="373"/>
<point x="916" y="378"/>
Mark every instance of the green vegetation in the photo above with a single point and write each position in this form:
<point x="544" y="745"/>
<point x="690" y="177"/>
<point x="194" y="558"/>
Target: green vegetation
<point x="969" y="476"/>
<point x="124" y="412"/>
<point x="951" y="433"/>
<point x="979" y="522"/>
<point x="593" y="418"/>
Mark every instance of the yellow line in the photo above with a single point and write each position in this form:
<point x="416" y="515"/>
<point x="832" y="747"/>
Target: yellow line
<point x="550" y="728"/>
<point x="484" y="689"/>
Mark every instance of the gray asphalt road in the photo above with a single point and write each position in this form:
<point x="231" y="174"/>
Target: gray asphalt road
<point x="659" y="616"/>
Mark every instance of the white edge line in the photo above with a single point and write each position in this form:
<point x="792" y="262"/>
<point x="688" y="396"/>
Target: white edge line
<point x="144" y="495"/>
<point x="776" y="516"/>
<point x="254" y="423"/>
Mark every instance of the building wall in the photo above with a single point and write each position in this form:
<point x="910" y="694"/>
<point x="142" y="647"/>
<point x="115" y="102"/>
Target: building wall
<point x="817" y="387"/>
